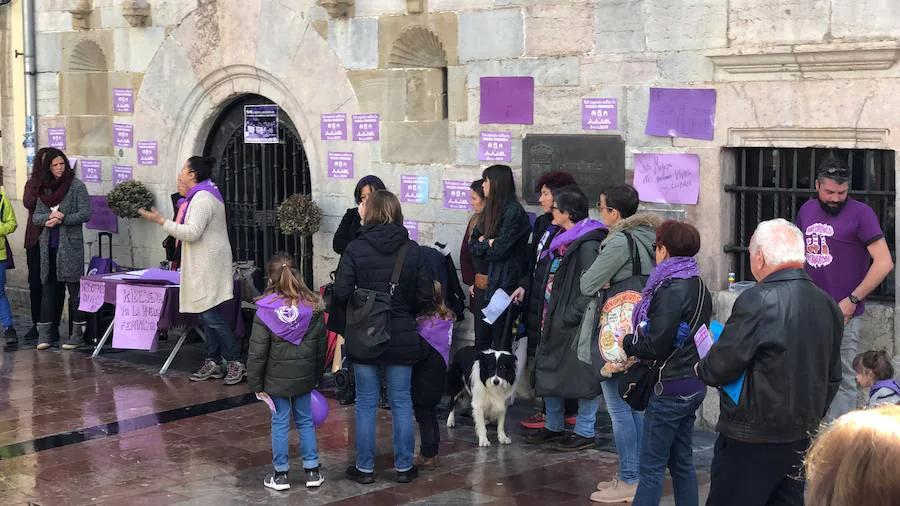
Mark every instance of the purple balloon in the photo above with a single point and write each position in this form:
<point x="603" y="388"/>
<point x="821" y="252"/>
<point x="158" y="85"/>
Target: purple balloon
<point x="319" y="407"/>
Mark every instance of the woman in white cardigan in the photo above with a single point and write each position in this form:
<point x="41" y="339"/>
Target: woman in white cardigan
<point x="206" y="279"/>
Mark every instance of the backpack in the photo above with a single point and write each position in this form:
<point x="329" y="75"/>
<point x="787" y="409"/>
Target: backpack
<point x="368" y="330"/>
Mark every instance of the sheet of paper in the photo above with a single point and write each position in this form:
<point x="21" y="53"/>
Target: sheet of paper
<point x="704" y="341"/>
<point x="498" y="303"/>
<point x="667" y="178"/>
<point x="138" y="273"/>
<point x="268" y="400"/>
<point x="122" y="276"/>
<point x="171" y="277"/>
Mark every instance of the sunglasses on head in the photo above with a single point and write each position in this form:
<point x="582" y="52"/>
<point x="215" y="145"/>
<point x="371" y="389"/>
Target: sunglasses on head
<point x="836" y="172"/>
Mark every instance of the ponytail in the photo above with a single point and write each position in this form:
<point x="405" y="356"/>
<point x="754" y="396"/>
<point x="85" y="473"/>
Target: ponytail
<point x="876" y="361"/>
<point x="284" y="280"/>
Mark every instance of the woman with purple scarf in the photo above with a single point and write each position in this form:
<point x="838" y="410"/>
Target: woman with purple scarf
<point x="206" y="278"/>
<point x="563" y="367"/>
<point x="663" y="332"/>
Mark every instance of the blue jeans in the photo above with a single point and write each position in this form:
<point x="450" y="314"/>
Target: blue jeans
<point x="368" y="389"/>
<point x="281" y="427"/>
<point x="584" y="422"/>
<point x="220" y="340"/>
<point x="628" y="430"/>
<point x="668" y="433"/>
<point x="5" y="311"/>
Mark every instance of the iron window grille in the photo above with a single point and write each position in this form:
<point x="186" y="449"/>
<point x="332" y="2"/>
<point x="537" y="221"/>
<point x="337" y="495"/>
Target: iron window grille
<point x="774" y="182"/>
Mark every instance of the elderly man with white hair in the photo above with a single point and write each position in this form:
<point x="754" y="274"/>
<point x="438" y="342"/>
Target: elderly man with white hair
<point x="784" y="339"/>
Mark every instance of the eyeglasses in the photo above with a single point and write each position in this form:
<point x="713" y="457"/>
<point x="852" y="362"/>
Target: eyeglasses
<point x="605" y="208"/>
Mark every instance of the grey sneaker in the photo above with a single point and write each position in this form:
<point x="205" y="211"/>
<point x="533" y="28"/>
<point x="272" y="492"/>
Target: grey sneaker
<point x="12" y="340"/>
<point x="277" y="481"/>
<point x="76" y="340"/>
<point x="45" y="334"/>
<point x="209" y="370"/>
<point x="234" y="373"/>
<point x="314" y="477"/>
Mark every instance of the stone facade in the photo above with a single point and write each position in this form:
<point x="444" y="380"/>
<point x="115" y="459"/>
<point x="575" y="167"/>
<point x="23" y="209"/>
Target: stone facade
<point x="794" y="73"/>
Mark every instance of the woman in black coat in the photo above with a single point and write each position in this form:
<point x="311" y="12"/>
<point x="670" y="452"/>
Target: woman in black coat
<point x="351" y="222"/>
<point x="368" y="263"/>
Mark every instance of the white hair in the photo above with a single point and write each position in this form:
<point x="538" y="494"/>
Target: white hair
<point x="780" y="241"/>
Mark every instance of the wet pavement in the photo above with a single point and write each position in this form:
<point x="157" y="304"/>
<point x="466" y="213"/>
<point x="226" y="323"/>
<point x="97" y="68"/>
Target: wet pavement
<point x="76" y="430"/>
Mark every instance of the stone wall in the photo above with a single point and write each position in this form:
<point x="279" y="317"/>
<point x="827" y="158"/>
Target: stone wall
<point x="793" y="73"/>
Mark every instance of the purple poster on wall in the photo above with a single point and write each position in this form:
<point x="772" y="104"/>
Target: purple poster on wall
<point x="121" y="173"/>
<point x="102" y="217"/>
<point x="599" y="114"/>
<point x="123" y="100"/>
<point x="667" y="178"/>
<point x="414" y="189"/>
<point x="123" y="135"/>
<point x="412" y="227"/>
<point x="340" y="165"/>
<point x="147" y="152"/>
<point x="456" y="195"/>
<point x="507" y="100"/>
<point x="56" y="138"/>
<point x="91" y="171"/>
<point x="365" y="127"/>
<point x="678" y="112"/>
<point x="333" y="127"/>
<point x="495" y="146"/>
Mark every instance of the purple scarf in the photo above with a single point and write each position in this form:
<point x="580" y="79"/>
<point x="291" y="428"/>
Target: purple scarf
<point x="284" y="320"/>
<point x="567" y="237"/>
<point x="208" y="186"/>
<point x="437" y="332"/>
<point x="888" y="383"/>
<point x="671" y="268"/>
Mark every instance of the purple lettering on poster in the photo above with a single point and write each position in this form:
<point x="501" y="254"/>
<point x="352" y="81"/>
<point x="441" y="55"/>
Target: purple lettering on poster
<point x="365" y="127"/>
<point x="147" y="152"/>
<point x="675" y="112"/>
<point x="123" y="135"/>
<point x="91" y="171"/>
<point x="599" y="114"/>
<point x="92" y="293"/>
<point x="102" y="217"/>
<point x="56" y="138"/>
<point x="333" y="127"/>
<point x="340" y="165"/>
<point x="456" y="195"/>
<point x="667" y="178"/>
<point x="412" y="227"/>
<point x="137" y="316"/>
<point x="123" y="100"/>
<point x="121" y="173"/>
<point x="414" y="189"/>
<point x="507" y="100"/>
<point x="495" y="147"/>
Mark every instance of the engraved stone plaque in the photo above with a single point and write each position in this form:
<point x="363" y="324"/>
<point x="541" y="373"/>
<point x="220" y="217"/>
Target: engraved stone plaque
<point x="594" y="161"/>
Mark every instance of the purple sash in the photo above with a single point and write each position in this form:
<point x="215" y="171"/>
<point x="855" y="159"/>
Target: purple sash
<point x="284" y="320"/>
<point x="436" y="332"/>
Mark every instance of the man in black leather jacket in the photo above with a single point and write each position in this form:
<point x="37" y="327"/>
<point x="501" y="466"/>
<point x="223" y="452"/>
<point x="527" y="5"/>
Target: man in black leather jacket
<point x="786" y="334"/>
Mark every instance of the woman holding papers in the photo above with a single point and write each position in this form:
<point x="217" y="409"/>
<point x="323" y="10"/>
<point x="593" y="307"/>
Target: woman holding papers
<point x="674" y="304"/>
<point x="499" y="245"/>
<point x="63" y="206"/>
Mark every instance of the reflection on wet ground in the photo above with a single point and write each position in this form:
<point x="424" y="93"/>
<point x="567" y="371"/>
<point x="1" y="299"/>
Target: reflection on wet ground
<point x="76" y="430"/>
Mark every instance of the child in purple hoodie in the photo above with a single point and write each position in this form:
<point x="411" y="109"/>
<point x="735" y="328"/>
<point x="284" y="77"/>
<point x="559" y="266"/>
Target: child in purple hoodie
<point x="429" y="375"/>
<point x="286" y="361"/>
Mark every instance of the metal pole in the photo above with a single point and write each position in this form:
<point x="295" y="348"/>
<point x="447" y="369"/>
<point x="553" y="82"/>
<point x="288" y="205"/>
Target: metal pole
<point x="28" y="26"/>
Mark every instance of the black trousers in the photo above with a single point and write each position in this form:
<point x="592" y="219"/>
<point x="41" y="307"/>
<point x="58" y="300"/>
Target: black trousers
<point x="54" y="296"/>
<point x="429" y="431"/>
<point x="756" y="474"/>
<point x="490" y="336"/>
<point x="35" y="288"/>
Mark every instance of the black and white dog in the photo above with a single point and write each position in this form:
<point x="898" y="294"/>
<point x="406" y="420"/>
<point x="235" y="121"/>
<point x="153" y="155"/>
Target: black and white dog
<point x="487" y="380"/>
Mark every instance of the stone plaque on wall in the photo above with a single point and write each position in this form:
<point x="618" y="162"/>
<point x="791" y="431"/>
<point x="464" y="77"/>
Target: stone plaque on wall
<point x="594" y="160"/>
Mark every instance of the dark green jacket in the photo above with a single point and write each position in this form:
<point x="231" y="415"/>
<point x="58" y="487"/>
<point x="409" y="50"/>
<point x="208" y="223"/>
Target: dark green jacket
<point x="282" y="369"/>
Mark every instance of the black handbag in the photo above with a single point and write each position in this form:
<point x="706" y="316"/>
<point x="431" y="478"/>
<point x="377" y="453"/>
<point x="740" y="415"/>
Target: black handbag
<point x="645" y="377"/>
<point x="368" y="329"/>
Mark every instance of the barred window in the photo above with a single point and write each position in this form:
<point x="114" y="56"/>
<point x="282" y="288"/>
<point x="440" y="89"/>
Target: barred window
<point x="774" y="182"/>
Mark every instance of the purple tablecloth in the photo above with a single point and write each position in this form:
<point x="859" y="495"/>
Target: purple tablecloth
<point x="169" y="317"/>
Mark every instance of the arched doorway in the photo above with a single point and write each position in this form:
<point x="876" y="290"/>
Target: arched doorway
<point x="254" y="179"/>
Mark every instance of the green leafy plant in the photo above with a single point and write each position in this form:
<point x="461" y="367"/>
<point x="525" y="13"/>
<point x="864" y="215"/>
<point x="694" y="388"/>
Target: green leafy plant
<point x="299" y="215"/>
<point x="127" y="197"/>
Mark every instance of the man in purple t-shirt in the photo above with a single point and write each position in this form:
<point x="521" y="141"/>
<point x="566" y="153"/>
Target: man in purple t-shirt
<point x="847" y="256"/>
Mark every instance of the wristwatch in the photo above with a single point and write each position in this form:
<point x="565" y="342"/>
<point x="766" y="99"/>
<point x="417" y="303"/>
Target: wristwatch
<point x="854" y="299"/>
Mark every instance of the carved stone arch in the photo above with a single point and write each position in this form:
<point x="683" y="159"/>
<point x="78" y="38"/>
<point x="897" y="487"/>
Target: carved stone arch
<point x="418" y="47"/>
<point x="87" y="56"/>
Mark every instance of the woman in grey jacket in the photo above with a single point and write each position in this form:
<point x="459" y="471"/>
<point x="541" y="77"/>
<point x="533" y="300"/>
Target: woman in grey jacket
<point x="63" y="206"/>
<point x="618" y="205"/>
